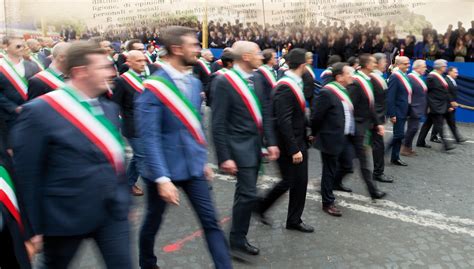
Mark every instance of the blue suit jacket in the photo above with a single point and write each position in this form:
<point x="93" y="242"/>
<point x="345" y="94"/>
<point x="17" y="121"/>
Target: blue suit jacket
<point x="168" y="147"/>
<point x="418" y="101"/>
<point x="397" y="98"/>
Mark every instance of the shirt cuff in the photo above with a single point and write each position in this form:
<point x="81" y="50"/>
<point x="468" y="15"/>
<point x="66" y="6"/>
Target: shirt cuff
<point x="162" y="180"/>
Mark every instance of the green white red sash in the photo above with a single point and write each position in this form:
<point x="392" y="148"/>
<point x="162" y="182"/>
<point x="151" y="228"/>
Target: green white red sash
<point x="295" y="88"/>
<point x="380" y="80"/>
<point x="19" y="82"/>
<point x="311" y="71"/>
<point x="248" y="96"/>
<point x="417" y="78"/>
<point x="205" y="66"/>
<point x="53" y="80"/>
<point x="34" y="57"/>
<point x="341" y="93"/>
<point x="406" y="84"/>
<point x="367" y="87"/>
<point x="178" y="104"/>
<point x="8" y="197"/>
<point x="133" y="80"/>
<point x="148" y="57"/>
<point x="158" y="62"/>
<point x="97" y="128"/>
<point x="327" y="72"/>
<point x="269" y="74"/>
<point x="440" y="78"/>
<point x="221" y="71"/>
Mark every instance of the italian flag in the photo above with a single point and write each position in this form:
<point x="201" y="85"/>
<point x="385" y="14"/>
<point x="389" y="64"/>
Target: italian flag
<point x="8" y="197"/>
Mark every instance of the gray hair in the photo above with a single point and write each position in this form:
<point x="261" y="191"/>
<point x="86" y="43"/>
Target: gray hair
<point x="379" y="56"/>
<point x="440" y="63"/>
<point x="240" y="48"/>
<point x="418" y="63"/>
<point x="399" y="59"/>
<point x="204" y="51"/>
<point x="60" y="49"/>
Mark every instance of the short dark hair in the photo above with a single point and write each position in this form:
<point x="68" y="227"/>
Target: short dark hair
<point x="77" y="53"/>
<point x="334" y="59"/>
<point x="131" y="43"/>
<point x="353" y="60"/>
<point x="227" y="58"/>
<point x="338" y="69"/>
<point x="364" y="59"/>
<point x="172" y="36"/>
<point x="451" y="68"/>
<point x="150" y="46"/>
<point x="267" y="55"/>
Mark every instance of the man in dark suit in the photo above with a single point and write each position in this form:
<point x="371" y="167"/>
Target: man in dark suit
<point x="36" y="55"/>
<point x="71" y="172"/>
<point x="452" y="75"/>
<point x="14" y="75"/>
<point x="202" y="69"/>
<point x="227" y="60"/>
<point x="332" y="119"/>
<point x="238" y="127"/>
<point x="326" y="76"/>
<point x="309" y="78"/>
<point x="217" y="65"/>
<point x="290" y="124"/>
<point x="133" y="44"/>
<point x="439" y="104"/>
<point x="174" y="151"/>
<point x="51" y="78"/>
<point x="265" y="77"/>
<point x="417" y="107"/>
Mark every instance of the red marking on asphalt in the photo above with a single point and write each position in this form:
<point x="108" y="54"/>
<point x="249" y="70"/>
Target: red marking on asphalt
<point x="180" y="243"/>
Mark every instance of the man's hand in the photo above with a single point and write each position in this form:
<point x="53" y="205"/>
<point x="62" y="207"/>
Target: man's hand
<point x="208" y="173"/>
<point x="393" y="120"/>
<point x="34" y="246"/>
<point x="273" y="153"/>
<point x="380" y="130"/>
<point x="168" y="192"/>
<point x="297" y="157"/>
<point x="18" y="109"/>
<point x="451" y="109"/>
<point x="229" y="167"/>
<point x="454" y="104"/>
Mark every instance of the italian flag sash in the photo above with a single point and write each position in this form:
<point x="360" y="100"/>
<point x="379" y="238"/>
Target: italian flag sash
<point x="403" y="78"/>
<point x="440" y="78"/>
<point x="295" y="88"/>
<point x="311" y="71"/>
<point x="205" y="66"/>
<point x="380" y="80"/>
<point x="269" y="74"/>
<point x="8" y="197"/>
<point x="19" y="83"/>
<point x="178" y="104"/>
<point x="367" y="87"/>
<point x="133" y="80"/>
<point x="159" y="62"/>
<point x="341" y="93"/>
<point x="34" y="57"/>
<point x="148" y="57"/>
<point x="327" y="72"/>
<point x="53" y="80"/>
<point x="221" y="71"/>
<point x="97" y="128"/>
<point x="219" y="62"/>
<point x="247" y="95"/>
<point x="417" y="78"/>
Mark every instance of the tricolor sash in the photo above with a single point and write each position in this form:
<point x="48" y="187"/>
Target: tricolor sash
<point x="178" y="104"/>
<point x="367" y="87"/>
<point x="19" y="82"/>
<point x="205" y="66"/>
<point x="295" y="88"/>
<point x="327" y="72"/>
<point x="311" y="71"/>
<point x="247" y="95"/>
<point x="97" y="128"/>
<point x="159" y="62"/>
<point x="440" y="78"/>
<point x="341" y="93"/>
<point x="406" y="84"/>
<point x="8" y="197"/>
<point x="34" y="57"/>
<point x="380" y="80"/>
<point x="219" y="62"/>
<point x="53" y="80"/>
<point x="148" y="57"/>
<point x="221" y="71"/>
<point x="133" y="80"/>
<point x="417" y="78"/>
<point x="269" y="74"/>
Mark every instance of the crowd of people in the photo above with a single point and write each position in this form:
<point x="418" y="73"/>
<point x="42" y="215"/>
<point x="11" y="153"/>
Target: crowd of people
<point x="65" y="111"/>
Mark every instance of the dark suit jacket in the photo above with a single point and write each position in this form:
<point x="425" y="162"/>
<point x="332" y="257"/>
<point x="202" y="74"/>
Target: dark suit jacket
<point x="327" y="122"/>
<point x="215" y="66"/>
<point x="380" y="96"/>
<point x="235" y="134"/>
<point x="124" y="95"/>
<point x="202" y="75"/>
<point x="290" y="121"/>
<point x="68" y="185"/>
<point x="365" y="116"/>
<point x="453" y="90"/>
<point x="418" y="101"/>
<point x="438" y="96"/>
<point x="397" y="98"/>
<point x="308" y="86"/>
<point x="36" y="88"/>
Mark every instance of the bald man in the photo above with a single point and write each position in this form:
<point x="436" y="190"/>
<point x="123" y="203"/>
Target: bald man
<point x="127" y="86"/>
<point x="202" y="69"/>
<point x="52" y="77"/>
<point x="36" y="55"/>
<point x="239" y="126"/>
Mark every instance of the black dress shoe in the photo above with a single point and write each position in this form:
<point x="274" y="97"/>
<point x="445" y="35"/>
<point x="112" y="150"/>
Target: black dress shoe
<point x="436" y="140"/>
<point x="383" y="178"/>
<point x="399" y="162"/>
<point x="343" y="188"/>
<point x="378" y="195"/>
<point x="264" y="219"/>
<point x="449" y="147"/>
<point x="246" y="249"/>
<point x="423" y="146"/>
<point x="304" y="228"/>
<point x="461" y="140"/>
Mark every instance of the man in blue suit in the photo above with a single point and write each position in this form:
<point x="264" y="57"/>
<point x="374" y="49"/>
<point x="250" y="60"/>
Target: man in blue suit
<point x="168" y="122"/>
<point x="71" y="173"/>
<point x="398" y="102"/>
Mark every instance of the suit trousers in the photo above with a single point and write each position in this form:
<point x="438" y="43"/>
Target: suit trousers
<point x="197" y="191"/>
<point x="451" y="122"/>
<point x="328" y="178"/>
<point x="437" y="120"/>
<point x="413" y="125"/>
<point x="295" y="179"/>
<point x="245" y="198"/>
<point x="357" y="141"/>
<point x="378" y="153"/>
<point x="425" y="128"/>
<point x="135" y="164"/>
<point x="113" y="240"/>
<point x="398" y="135"/>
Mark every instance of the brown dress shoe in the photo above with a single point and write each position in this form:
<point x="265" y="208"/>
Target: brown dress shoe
<point x="136" y="191"/>
<point x="332" y="210"/>
<point x="406" y="151"/>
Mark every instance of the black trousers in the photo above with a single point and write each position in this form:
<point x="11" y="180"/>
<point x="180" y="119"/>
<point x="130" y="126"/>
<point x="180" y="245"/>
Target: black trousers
<point x="330" y="163"/>
<point x="450" y="118"/>
<point x="295" y="179"/>
<point x="435" y="120"/>
<point x="357" y="141"/>
<point x="378" y="153"/>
